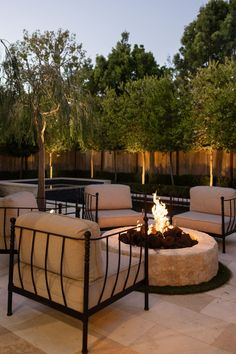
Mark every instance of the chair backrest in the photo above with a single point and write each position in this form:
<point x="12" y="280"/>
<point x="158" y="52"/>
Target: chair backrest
<point x="206" y="199"/>
<point x="11" y="206"/>
<point x="110" y="196"/>
<point x="57" y="241"/>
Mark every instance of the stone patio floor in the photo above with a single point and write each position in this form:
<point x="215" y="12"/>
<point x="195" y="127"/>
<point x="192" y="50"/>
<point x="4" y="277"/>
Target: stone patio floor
<point x="188" y="324"/>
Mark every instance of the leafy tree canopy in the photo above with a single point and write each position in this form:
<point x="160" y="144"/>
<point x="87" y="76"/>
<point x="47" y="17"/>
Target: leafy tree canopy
<point x="47" y="64"/>
<point x="211" y="36"/>
<point x="214" y="106"/>
<point x="124" y="64"/>
<point x="149" y="114"/>
<point x="47" y="68"/>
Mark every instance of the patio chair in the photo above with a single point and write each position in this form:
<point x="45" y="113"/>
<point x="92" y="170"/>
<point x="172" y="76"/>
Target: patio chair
<point x="212" y="210"/>
<point x="64" y="263"/>
<point x="110" y="205"/>
<point x="19" y="203"/>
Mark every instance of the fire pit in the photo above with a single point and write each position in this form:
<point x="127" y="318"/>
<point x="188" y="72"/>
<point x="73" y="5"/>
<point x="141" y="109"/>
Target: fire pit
<point x="171" y="238"/>
<point x="185" y="266"/>
<point x="161" y="234"/>
<point x="176" y="266"/>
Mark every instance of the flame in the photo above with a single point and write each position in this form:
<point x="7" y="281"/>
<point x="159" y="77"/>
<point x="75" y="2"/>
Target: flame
<point x="138" y="228"/>
<point x="159" y="212"/>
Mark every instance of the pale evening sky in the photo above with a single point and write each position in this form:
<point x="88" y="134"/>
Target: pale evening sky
<point x="98" y="24"/>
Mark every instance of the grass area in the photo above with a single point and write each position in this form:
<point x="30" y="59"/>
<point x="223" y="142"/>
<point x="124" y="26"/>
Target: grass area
<point x="222" y="277"/>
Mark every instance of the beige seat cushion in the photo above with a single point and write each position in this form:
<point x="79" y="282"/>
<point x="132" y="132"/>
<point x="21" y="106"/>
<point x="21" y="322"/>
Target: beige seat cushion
<point x="209" y="223"/>
<point x="20" y="200"/>
<point x="73" y="289"/>
<point x="206" y="199"/>
<point x="111" y="196"/>
<point x="73" y="257"/>
<point x="116" y="218"/>
<point x="24" y="200"/>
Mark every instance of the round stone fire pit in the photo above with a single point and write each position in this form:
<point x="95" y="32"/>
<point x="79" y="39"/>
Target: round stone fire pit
<point x="181" y="266"/>
<point x="185" y="266"/>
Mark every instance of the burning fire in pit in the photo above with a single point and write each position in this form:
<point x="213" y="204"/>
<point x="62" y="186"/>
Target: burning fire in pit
<point x="160" y="234"/>
<point x="159" y="212"/>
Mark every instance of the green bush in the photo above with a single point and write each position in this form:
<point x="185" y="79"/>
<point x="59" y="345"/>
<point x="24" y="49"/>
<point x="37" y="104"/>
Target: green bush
<point x="159" y="179"/>
<point x="192" y="180"/>
<point x="29" y="174"/>
<point x="161" y="189"/>
<point x="18" y="175"/>
<point x="9" y="175"/>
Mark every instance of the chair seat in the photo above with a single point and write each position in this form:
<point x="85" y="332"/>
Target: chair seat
<point x="210" y="223"/>
<point x="119" y="217"/>
<point x="74" y="289"/>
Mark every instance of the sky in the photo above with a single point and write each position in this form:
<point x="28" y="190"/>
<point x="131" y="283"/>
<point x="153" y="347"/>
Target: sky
<point x="98" y="24"/>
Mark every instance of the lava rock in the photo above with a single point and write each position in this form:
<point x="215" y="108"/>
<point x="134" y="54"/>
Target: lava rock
<point x="171" y="238"/>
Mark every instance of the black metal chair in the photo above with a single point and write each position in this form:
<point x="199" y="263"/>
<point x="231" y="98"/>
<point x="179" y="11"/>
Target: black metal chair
<point x="7" y="213"/>
<point x="110" y="283"/>
<point x="219" y="223"/>
<point x="110" y="217"/>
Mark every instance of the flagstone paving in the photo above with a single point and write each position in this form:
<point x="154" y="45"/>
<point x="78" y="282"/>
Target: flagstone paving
<point x="202" y="323"/>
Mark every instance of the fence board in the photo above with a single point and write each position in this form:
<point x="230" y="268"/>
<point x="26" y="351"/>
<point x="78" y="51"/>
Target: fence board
<point x="194" y="162"/>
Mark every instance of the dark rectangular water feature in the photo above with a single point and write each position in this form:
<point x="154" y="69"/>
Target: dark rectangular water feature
<point x="60" y="189"/>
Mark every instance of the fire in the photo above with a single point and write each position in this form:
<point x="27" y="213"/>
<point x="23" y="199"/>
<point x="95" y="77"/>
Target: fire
<point x="159" y="212"/>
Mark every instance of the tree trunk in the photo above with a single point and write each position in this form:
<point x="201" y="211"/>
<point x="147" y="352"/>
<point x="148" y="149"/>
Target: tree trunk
<point x="26" y="163"/>
<point x="231" y="167"/>
<point x="143" y="167"/>
<point x="177" y="163"/>
<point x="50" y="164"/>
<point x="21" y="166"/>
<point x="92" y="164"/>
<point x="41" y="177"/>
<point x="115" y="166"/>
<point x="211" y="166"/>
<point x="41" y="125"/>
<point x="102" y="161"/>
<point x="136" y="163"/>
<point x="152" y="165"/>
<point x="75" y="160"/>
<point x="171" y="168"/>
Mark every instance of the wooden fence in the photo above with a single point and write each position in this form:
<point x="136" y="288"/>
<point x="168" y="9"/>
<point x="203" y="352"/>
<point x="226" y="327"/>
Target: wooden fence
<point x="194" y="163"/>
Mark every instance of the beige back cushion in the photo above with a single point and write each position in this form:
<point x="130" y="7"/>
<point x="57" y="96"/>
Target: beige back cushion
<point x="206" y="199"/>
<point x="73" y="258"/>
<point x="25" y="200"/>
<point x="111" y="196"/>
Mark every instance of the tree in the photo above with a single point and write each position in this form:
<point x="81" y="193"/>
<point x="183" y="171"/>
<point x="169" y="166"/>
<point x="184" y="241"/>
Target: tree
<point x="89" y="136"/>
<point x="211" y="36"/>
<point x="57" y="140"/>
<point x="6" y="101"/>
<point x="112" y="124"/>
<point x="124" y="64"/>
<point x="214" y="108"/>
<point x="46" y="63"/>
<point x="148" y="108"/>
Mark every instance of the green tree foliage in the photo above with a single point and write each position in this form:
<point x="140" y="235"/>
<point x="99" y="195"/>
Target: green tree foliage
<point x="211" y="36"/>
<point x="89" y="134"/>
<point x="113" y="123"/>
<point x="143" y="118"/>
<point x="46" y="65"/>
<point x="57" y="139"/>
<point x="123" y="64"/>
<point x="151" y="112"/>
<point x="214" y="107"/>
<point x="5" y="103"/>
